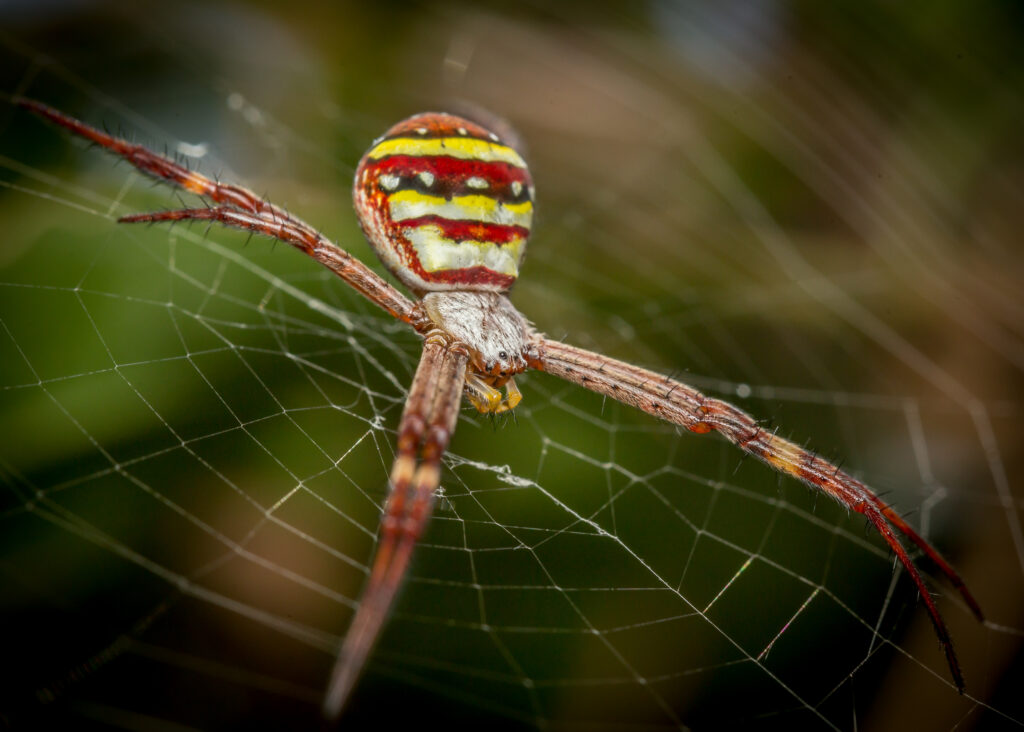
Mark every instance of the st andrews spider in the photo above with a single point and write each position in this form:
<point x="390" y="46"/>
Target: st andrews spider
<point x="447" y="206"/>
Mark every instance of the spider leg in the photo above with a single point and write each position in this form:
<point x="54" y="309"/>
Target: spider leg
<point x="239" y="208"/>
<point x="896" y="520"/>
<point x="681" y="404"/>
<point x="885" y="529"/>
<point x="303" y="238"/>
<point x="430" y="414"/>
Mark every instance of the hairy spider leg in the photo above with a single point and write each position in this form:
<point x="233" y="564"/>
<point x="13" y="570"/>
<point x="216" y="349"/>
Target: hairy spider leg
<point x="681" y="404"/>
<point x="429" y="418"/>
<point x="303" y="238"/>
<point x="240" y="209"/>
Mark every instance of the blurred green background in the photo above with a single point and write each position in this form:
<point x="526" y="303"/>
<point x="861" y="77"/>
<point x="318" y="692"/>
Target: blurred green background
<point x="810" y="209"/>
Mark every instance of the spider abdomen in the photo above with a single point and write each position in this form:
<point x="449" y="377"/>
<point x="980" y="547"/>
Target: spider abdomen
<point x="445" y="204"/>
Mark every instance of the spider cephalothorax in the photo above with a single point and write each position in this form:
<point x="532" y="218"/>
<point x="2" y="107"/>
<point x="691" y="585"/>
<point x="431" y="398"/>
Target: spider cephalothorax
<point x="447" y="207"/>
<point x="496" y="336"/>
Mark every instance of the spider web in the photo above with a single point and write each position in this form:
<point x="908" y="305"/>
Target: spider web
<point x="810" y="212"/>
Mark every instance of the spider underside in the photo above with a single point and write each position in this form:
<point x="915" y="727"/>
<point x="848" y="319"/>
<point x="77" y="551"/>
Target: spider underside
<point x="475" y="341"/>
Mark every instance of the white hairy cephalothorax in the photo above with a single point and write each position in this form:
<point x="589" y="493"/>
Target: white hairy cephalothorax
<point x="495" y="333"/>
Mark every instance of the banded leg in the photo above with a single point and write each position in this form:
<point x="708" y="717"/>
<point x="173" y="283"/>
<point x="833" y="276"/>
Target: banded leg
<point x="241" y="209"/>
<point x="431" y="412"/>
<point x="681" y="404"/>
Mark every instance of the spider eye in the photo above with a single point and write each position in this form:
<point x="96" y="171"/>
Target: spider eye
<point x="502" y="356"/>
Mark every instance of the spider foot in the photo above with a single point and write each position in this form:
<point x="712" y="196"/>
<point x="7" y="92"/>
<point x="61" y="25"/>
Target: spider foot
<point x="488" y="399"/>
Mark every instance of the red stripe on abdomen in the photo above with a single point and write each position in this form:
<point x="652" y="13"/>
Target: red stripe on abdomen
<point x="469" y="230"/>
<point x="446" y="166"/>
<point x="451" y="174"/>
<point x="470" y="276"/>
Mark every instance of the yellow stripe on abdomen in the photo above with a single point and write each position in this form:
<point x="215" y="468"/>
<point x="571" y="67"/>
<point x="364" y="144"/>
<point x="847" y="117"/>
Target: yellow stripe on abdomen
<point x="411" y="204"/>
<point x="464" y="148"/>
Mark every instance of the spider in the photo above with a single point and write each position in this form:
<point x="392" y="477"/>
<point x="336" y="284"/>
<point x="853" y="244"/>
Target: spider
<point x="447" y="206"/>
